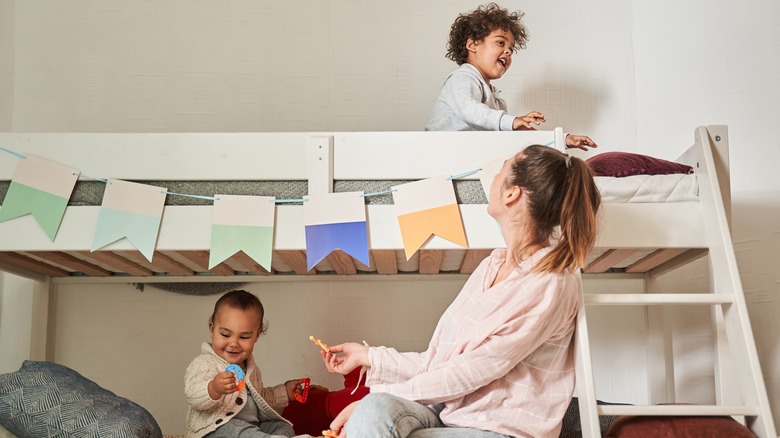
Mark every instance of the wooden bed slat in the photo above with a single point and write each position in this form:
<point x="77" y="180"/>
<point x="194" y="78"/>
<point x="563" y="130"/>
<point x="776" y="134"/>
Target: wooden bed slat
<point x="30" y="264"/>
<point x="297" y="261"/>
<point x="385" y="261"/>
<point x="72" y="262"/>
<point x="607" y="260"/>
<point x="117" y="262"/>
<point x="430" y="261"/>
<point x="472" y="259"/>
<point x="161" y="263"/>
<point x="342" y="262"/>
<point x="242" y="262"/>
<point x="201" y="259"/>
<point x="688" y="256"/>
<point x="654" y="259"/>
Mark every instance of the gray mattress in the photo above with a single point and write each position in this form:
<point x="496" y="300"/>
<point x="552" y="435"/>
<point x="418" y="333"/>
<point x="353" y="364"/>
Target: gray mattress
<point x="91" y="192"/>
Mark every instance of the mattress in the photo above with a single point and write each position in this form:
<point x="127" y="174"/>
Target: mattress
<point x="638" y="188"/>
<point x="649" y="188"/>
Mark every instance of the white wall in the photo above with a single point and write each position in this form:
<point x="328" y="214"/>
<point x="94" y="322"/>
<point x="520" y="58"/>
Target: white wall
<point x="338" y="65"/>
<point x="607" y="68"/>
<point x="702" y="62"/>
<point x="6" y="64"/>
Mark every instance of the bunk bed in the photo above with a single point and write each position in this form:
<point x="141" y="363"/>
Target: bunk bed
<point x="645" y="238"/>
<point x="294" y="165"/>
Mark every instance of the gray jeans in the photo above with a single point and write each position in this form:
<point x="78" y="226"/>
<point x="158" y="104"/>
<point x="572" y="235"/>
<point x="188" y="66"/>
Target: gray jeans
<point x="381" y="415"/>
<point x="242" y="429"/>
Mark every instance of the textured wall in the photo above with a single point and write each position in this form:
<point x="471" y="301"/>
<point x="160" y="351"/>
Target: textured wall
<point x="6" y="64"/>
<point x="314" y="65"/>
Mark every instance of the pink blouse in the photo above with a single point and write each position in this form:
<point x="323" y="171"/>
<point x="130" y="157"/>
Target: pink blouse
<point x="501" y="358"/>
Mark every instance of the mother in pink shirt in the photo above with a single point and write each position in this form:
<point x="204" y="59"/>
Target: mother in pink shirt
<point x="501" y="361"/>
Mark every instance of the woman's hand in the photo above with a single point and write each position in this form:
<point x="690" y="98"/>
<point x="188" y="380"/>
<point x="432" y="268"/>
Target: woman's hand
<point x="528" y="122"/>
<point x="353" y="355"/>
<point x="338" y="423"/>
<point x="580" y="142"/>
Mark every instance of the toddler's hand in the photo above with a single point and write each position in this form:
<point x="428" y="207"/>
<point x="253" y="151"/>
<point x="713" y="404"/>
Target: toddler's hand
<point x="290" y="386"/>
<point x="223" y="383"/>
<point x="528" y="122"/>
<point x="580" y="142"/>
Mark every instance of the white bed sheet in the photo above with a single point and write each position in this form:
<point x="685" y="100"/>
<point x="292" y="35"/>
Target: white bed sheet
<point x="649" y="188"/>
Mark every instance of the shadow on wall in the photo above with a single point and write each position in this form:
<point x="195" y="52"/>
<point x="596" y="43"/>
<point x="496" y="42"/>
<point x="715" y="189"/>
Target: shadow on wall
<point x="566" y="100"/>
<point x="756" y="237"/>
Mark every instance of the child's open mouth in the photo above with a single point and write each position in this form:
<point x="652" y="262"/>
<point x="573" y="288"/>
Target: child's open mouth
<point x="502" y="62"/>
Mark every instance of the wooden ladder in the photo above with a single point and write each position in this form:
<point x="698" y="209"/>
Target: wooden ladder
<point x="735" y="347"/>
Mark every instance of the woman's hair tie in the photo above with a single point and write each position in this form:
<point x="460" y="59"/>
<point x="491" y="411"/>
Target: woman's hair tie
<point x="568" y="161"/>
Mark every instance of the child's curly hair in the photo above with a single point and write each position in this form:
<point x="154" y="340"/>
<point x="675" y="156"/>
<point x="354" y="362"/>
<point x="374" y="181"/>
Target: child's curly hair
<point x="478" y="24"/>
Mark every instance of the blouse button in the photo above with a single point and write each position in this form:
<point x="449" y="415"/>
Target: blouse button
<point x="239" y="401"/>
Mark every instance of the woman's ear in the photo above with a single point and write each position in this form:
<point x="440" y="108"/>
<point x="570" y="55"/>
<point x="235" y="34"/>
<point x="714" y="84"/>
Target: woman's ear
<point x="512" y="195"/>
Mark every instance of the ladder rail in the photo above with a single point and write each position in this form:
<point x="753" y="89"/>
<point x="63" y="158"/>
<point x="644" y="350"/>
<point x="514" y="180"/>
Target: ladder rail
<point x="725" y="276"/>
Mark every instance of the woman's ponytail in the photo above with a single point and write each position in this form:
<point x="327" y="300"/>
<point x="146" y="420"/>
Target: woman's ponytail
<point x="561" y="193"/>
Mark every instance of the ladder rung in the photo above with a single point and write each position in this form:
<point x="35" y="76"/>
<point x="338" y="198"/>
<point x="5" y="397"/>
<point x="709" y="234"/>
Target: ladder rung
<point x="672" y="410"/>
<point x="652" y="298"/>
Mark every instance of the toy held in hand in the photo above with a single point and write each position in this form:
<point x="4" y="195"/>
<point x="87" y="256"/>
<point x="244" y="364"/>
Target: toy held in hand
<point x="321" y="344"/>
<point x="302" y="393"/>
<point x="330" y="434"/>
<point x="235" y="369"/>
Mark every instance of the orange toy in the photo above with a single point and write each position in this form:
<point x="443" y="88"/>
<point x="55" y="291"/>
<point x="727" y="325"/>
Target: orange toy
<point x="321" y="344"/>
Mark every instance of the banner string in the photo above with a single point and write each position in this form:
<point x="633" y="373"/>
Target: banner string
<point x="212" y="198"/>
<point x="17" y="154"/>
<point x="284" y="201"/>
<point x="92" y="177"/>
<point x="463" y="175"/>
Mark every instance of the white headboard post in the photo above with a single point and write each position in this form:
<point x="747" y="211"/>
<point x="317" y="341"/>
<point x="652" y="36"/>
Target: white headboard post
<point x="560" y="139"/>
<point x="320" y="164"/>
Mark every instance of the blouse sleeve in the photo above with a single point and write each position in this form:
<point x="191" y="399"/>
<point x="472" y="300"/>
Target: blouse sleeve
<point x="547" y="312"/>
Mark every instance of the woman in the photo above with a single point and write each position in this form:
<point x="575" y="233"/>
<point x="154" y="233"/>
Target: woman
<point x="501" y="361"/>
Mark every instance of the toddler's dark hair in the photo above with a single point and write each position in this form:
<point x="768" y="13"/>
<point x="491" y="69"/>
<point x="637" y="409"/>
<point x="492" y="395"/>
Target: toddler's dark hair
<point x="243" y="300"/>
<point x="478" y="24"/>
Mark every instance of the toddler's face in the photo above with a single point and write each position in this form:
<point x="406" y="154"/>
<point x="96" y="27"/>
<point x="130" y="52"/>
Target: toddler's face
<point x="234" y="333"/>
<point x="492" y="56"/>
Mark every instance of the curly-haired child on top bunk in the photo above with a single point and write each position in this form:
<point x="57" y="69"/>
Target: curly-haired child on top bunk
<point x="482" y="43"/>
<point x="221" y="404"/>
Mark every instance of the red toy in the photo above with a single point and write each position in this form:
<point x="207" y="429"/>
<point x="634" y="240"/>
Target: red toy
<point x="302" y="394"/>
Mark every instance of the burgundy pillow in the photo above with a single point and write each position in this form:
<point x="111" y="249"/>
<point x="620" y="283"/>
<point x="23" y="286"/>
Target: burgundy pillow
<point x="626" y="164"/>
<point x="677" y="427"/>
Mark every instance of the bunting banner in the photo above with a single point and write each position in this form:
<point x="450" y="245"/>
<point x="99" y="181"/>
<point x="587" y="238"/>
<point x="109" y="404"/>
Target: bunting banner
<point x="425" y="208"/>
<point x="42" y="188"/>
<point x="130" y="210"/>
<point x="335" y="221"/>
<point x="242" y="223"/>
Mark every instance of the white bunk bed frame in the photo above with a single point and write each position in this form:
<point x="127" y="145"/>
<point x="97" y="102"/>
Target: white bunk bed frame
<point x="641" y="233"/>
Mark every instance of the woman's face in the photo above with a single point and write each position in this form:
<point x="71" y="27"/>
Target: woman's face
<point x="497" y="188"/>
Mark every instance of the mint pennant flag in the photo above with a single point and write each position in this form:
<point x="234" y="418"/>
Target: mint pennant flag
<point x="41" y="188"/>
